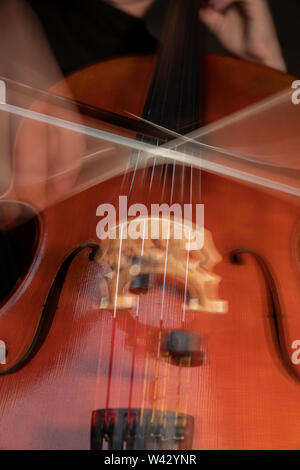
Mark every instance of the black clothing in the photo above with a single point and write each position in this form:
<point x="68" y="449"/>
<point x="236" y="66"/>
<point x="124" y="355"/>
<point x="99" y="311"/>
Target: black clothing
<point x="84" y="31"/>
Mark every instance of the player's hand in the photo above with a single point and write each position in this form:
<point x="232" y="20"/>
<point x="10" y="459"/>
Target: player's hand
<point x="246" y="29"/>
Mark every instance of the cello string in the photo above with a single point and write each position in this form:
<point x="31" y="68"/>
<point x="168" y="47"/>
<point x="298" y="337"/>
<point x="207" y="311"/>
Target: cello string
<point x="165" y="274"/>
<point x="188" y="254"/>
<point x="156" y="379"/>
<point x="116" y="297"/>
<point x="173" y="181"/>
<point x="165" y="269"/>
<point x="116" y="294"/>
<point x="186" y="282"/>
<point x="138" y="298"/>
<point x="151" y="179"/>
<point x="183" y="169"/>
<point x="179" y="116"/>
<point x="189" y="372"/>
<point x="166" y="257"/>
<point x="133" y="361"/>
<point x="178" y="391"/>
<point x="145" y="387"/>
<point x="128" y="170"/>
<point x="110" y="368"/>
<point x="185" y="296"/>
<point x="165" y="173"/>
<point x="111" y="354"/>
<point x="118" y="271"/>
<point x="158" y="359"/>
<point x="134" y="174"/>
<point x="135" y="335"/>
<point x="167" y="376"/>
<point x="145" y="372"/>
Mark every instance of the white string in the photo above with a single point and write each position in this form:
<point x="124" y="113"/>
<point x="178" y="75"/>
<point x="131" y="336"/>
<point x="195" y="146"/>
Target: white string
<point x="173" y="179"/>
<point x="134" y="174"/>
<point x="118" y="271"/>
<point x="188" y="253"/>
<point x="186" y="281"/>
<point x="167" y="245"/>
<point x="165" y="277"/>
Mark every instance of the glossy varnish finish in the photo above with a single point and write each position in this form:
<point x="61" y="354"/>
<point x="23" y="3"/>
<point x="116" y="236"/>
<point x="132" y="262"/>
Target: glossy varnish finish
<point x="243" y="396"/>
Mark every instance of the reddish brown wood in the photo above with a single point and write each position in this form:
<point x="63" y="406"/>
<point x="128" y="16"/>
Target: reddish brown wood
<point x="241" y="397"/>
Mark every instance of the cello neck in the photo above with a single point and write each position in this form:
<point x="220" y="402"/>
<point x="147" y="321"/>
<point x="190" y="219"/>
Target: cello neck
<point x="174" y="96"/>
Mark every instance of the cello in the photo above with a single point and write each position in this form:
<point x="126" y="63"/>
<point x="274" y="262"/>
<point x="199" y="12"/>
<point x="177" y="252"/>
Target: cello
<point x="125" y="345"/>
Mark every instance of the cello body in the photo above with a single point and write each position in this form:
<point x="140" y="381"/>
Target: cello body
<point x="243" y="392"/>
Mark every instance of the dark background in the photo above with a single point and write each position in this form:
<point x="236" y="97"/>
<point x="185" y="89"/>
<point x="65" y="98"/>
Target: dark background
<point x="84" y="31"/>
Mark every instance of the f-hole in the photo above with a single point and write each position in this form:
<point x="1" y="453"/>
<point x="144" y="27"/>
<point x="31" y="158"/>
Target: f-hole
<point x="276" y="317"/>
<point x="19" y="236"/>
